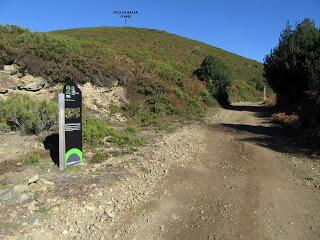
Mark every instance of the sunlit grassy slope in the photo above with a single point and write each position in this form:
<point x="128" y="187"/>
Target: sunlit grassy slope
<point x="158" y="54"/>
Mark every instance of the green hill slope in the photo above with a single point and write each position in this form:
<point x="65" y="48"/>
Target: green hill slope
<point x="129" y="48"/>
<point x="155" y="66"/>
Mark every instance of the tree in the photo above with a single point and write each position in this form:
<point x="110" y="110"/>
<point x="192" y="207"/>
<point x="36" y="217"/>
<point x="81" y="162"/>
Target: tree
<point x="217" y="77"/>
<point x="292" y="69"/>
<point x="293" y="66"/>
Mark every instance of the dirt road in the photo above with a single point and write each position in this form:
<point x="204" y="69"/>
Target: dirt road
<point x="231" y="176"/>
<point x="235" y="189"/>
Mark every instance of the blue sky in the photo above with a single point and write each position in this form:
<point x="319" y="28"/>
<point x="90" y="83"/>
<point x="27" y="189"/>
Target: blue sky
<point x="248" y="28"/>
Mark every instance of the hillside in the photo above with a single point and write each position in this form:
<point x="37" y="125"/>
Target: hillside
<point x="155" y="67"/>
<point x="128" y="48"/>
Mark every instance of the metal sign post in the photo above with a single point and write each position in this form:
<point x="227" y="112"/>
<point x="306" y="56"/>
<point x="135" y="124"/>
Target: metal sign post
<point x="61" y="131"/>
<point x="264" y="94"/>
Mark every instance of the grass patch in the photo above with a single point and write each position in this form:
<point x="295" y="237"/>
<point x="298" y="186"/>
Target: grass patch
<point x="73" y="169"/>
<point x="99" y="156"/>
<point x="31" y="159"/>
<point x="42" y="210"/>
<point x="97" y="131"/>
<point x="129" y="150"/>
<point x="131" y="161"/>
<point x="140" y="154"/>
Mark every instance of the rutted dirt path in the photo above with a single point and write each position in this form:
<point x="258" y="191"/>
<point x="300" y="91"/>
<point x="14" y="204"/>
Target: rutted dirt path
<point x="234" y="189"/>
<point x="230" y="176"/>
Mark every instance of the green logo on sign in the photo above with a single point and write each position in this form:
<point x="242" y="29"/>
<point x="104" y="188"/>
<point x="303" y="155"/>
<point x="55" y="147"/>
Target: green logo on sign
<point x="74" y="155"/>
<point x="68" y="89"/>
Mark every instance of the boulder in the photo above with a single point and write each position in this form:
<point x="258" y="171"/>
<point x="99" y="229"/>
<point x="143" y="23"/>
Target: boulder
<point x="8" y="82"/>
<point x="33" y="84"/>
<point x="10" y="69"/>
<point x="39" y="185"/>
<point x="3" y="91"/>
<point x="34" y="179"/>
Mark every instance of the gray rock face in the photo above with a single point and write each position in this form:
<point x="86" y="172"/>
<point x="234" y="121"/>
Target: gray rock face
<point x="33" y="84"/>
<point x="8" y="82"/>
<point x="10" y="79"/>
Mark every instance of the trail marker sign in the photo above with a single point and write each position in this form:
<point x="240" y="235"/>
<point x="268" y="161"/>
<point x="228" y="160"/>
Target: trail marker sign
<point x="73" y="125"/>
<point x="125" y="14"/>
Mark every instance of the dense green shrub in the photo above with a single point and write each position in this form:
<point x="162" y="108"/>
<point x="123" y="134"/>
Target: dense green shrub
<point x="96" y="131"/>
<point x="292" y="69"/>
<point x="217" y="77"/>
<point x="23" y="113"/>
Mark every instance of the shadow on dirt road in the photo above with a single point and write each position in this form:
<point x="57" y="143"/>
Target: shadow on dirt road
<point x="266" y="133"/>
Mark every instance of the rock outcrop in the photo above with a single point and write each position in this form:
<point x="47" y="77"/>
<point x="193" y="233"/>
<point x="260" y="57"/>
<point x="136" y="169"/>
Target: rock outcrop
<point x="30" y="83"/>
<point x="11" y="79"/>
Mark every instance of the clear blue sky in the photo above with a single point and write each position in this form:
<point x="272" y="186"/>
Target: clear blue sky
<point x="248" y="28"/>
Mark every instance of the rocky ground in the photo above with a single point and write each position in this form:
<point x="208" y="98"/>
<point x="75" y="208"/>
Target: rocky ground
<point x="232" y="175"/>
<point x="99" y="192"/>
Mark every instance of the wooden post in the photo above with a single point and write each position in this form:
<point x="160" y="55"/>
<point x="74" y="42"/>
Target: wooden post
<point x="62" y="144"/>
<point x="264" y="94"/>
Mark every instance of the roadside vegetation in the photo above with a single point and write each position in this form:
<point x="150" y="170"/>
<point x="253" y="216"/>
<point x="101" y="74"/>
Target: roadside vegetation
<point x="97" y="131"/>
<point x="33" y="158"/>
<point x="217" y="78"/>
<point x="292" y="69"/>
<point x="39" y="117"/>
<point x="21" y="112"/>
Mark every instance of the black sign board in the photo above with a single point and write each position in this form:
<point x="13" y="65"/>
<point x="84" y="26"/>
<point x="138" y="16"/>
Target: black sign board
<point x="73" y="124"/>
